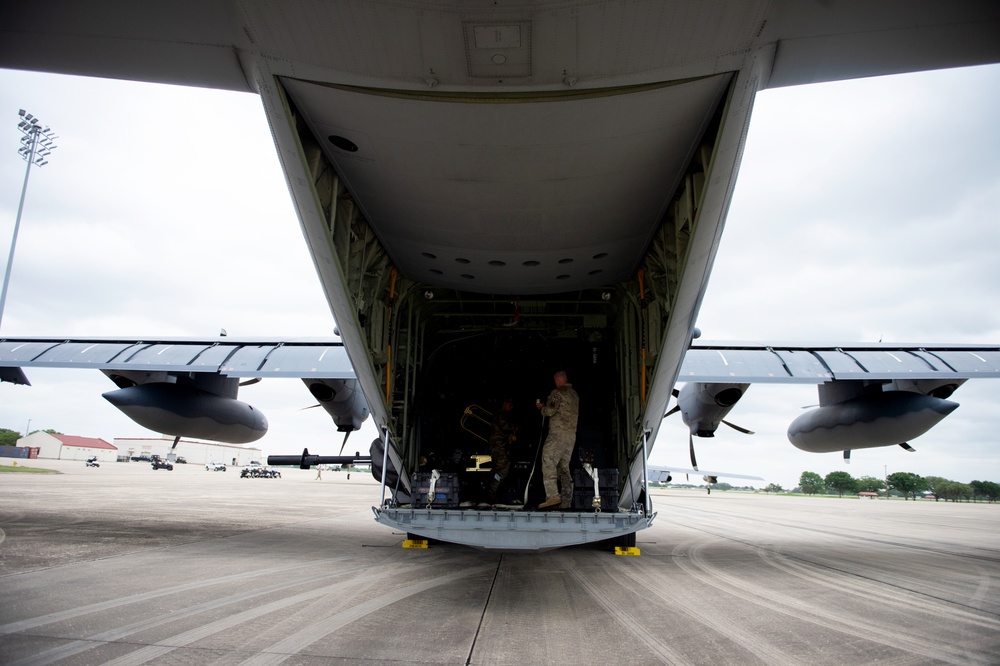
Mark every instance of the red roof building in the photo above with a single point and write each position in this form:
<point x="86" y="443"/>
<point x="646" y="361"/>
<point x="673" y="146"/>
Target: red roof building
<point x="70" y="447"/>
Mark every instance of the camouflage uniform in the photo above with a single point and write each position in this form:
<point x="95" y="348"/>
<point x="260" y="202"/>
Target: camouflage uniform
<point x="563" y="409"/>
<point x="502" y="434"/>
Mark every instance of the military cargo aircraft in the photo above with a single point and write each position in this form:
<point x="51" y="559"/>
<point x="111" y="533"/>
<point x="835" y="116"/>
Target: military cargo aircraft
<point x="493" y="191"/>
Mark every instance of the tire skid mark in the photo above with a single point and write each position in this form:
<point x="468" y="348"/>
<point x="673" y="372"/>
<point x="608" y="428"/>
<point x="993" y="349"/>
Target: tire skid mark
<point x="624" y="618"/>
<point x="900" y="598"/>
<point x="294" y="643"/>
<point x="950" y="605"/>
<point x="150" y="652"/>
<point x="945" y="549"/>
<point x="184" y="639"/>
<point x="898" y="639"/>
<point x="112" y="635"/>
<point x="889" y="596"/>
<point x="750" y="641"/>
<point x="71" y="613"/>
<point x="982" y="589"/>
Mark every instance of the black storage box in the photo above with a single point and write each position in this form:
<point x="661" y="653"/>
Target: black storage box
<point x="606" y="479"/>
<point x="446" y="495"/>
<point x="583" y="500"/>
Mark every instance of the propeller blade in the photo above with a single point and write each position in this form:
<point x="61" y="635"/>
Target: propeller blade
<point x="694" y="463"/>
<point x="344" y="443"/>
<point x="736" y="427"/>
<point x="677" y="407"/>
<point x="847" y="456"/>
<point x="252" y="380"/>
<point x="310" y="407"/>
<point x="907" y="447"/>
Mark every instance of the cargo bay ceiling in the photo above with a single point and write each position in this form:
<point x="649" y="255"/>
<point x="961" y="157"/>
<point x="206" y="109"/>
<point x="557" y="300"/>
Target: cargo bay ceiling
<point x="492" y="148"/>
<point x="512" y="194"/>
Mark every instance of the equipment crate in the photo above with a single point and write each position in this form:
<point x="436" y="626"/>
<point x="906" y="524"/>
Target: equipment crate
<point x="606" y="479"/>
<point x="583" y="500"/>
<point x="446" y="490"/>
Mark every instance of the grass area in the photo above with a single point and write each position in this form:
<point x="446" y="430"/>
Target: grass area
<point x="27" y="470"/>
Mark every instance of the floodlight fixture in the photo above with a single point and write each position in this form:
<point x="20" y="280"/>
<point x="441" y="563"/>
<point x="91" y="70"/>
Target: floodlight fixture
<point x="37" y="144"/>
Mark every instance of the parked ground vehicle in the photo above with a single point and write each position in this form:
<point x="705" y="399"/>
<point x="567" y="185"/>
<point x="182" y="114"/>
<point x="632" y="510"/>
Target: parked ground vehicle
<point x="259" y="472"/>
<point x="92" y="462"/>
<point x="215" y="466"/>
<point x="159" y="463"/>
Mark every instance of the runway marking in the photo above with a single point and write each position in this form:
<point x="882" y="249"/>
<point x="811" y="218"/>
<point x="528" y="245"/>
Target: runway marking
<point x="695" y="565"/>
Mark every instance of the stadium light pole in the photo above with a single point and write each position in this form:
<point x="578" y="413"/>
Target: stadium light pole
<point x="36" y="145"/>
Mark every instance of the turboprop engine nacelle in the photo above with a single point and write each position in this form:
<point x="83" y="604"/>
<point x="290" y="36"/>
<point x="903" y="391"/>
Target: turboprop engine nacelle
<point x="187" y="411"/>
<point x="342" y="400"/>
<point x="881" y="419"/>
<point x="703" y="406"/>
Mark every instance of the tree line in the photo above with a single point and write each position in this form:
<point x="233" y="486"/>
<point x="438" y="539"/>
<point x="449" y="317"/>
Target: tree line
<point x="906" y="484"/>
<point x="9" y="437"/>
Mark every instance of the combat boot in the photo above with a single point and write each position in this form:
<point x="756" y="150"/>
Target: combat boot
<point x="550" y="503"/>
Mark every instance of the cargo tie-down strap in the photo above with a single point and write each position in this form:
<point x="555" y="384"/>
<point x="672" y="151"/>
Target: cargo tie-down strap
<point x="592" y="473"/>
<point x="435" y="475"/>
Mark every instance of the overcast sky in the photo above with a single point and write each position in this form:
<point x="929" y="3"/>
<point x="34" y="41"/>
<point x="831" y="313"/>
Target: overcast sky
<point x="864" y="210"/>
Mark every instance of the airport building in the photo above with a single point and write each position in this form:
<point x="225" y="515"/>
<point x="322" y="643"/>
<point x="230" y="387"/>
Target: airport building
<point x="192" y="451"/>
<point x="124" y="449"/>
<point x="69" y="447"/>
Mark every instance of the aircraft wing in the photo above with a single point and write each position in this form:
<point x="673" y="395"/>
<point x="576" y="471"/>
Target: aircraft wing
<point x="189" y="388"/>
<point x="205" y="42"/>
<point x="735" y="362"/>
<point x="870" y="395"/>
<point x="244" y="359"/>
<point x="663" y="474"/>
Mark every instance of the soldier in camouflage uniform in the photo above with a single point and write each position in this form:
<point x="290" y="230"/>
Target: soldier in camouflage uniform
<point x="563" y="409"/>
<point x="503" y="433"/>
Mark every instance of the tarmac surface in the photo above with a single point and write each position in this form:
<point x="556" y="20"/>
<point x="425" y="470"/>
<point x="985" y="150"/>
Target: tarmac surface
<point x="126" y="565"/>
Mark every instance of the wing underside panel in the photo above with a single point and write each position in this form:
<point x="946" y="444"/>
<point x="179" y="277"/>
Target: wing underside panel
<point x="255" y="358"/>
<point x="806" y="364"/>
